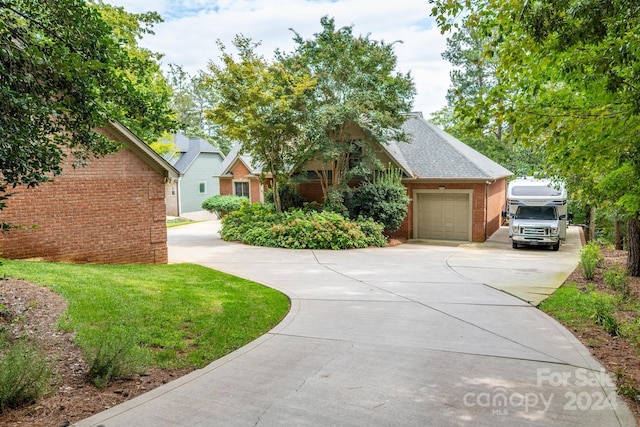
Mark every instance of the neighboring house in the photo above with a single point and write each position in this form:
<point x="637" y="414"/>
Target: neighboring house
<point x="240" y="176"/>
<point x="110" y="211"/>
<point x="456" y="192"/>
<point x="199" y="163"/>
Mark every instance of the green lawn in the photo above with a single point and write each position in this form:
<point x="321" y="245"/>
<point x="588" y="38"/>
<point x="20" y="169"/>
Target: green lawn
<point x="179" y="315"/>
<point x="175" y="222"/>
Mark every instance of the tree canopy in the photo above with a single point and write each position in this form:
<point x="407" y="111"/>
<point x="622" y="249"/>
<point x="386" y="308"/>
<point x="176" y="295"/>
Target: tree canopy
<point x="358" y="89"/>
<point x="311" y="103"/>
<point x="569" y="73"/>
<point x="66" y="67"/>
<point x="261" y="106"/>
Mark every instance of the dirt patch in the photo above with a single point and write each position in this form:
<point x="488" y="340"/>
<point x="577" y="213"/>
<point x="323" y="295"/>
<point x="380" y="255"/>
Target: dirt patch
<point x="27" y="309"/>
<point x="618" y="355"/>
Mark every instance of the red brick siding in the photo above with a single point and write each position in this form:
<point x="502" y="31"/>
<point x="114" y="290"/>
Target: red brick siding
<point x="311" y="192"/>
<point x="110" y="211"/>
<point x="497" y="201"/>
<point x="479" y="229"/>
<point x="226" y="186"/>
<point x="242" y="173"/>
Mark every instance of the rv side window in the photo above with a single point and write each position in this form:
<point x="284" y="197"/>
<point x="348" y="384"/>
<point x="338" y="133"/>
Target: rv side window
<point x="536" y="212"/>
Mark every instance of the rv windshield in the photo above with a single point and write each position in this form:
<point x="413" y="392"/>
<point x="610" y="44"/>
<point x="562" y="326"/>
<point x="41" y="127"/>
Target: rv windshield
<point x="536" y="212"/>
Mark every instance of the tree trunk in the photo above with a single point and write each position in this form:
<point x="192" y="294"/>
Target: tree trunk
<point x="633" y="240"/>
<point x="619" y="244"/>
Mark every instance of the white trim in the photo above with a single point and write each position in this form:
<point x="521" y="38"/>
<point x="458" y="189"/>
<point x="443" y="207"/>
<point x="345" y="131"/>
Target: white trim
<point x="416" y="210"/>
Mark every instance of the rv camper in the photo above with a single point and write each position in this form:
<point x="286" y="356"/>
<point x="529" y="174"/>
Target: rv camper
<point x="537" y="212"/>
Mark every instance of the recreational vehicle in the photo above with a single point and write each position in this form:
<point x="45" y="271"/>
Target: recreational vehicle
<point x="537" y="212"/>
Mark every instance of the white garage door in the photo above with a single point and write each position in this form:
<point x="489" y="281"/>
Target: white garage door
<point x="443" y="216"/>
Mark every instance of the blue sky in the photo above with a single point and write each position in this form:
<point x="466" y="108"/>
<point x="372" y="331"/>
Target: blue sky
<point x="188" y="35"/>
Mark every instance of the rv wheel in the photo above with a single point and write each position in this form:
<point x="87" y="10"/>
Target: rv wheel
<point x="556" y="246"/>
<point x="514" y="245"/>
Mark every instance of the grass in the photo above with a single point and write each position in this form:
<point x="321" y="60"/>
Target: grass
<point x="175" y="222"/>
<point x="575" y="307"/>
<point x="178" y="315"/>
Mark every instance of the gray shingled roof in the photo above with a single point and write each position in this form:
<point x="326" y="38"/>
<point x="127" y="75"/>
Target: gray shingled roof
<point x="431" y="153"/>
<point x="246" y="159"/>
<point x="188" y="150"/>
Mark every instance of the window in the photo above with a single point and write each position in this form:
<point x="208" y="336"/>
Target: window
<point x="202" y="187"/>
<point x="241" y="188"/>
<point x="173" y="190"/>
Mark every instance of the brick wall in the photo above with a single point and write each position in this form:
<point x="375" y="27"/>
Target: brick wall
<point x="110" y="211"/>
<point x="241" y="173"/>
<point x="485" y="206"/>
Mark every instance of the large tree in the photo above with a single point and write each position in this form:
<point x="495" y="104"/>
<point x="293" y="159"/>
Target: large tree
<point x="261" y="105"/>
<point x="192" y="96"/>
<point x="572" y="72"/>
<point x="67" y="66"/>
<point x="475" y="110"/>
<point x="358" y="89"/>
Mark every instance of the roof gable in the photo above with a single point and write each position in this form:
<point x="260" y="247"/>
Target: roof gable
<point x="431" y="153"/>
<point x="142" y="150"/>
<point x="236" y="156"/>
<point x="188" y="150"/>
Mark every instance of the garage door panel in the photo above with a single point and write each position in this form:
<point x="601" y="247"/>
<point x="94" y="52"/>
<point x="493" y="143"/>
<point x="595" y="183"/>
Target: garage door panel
<point x="443" y="216"/>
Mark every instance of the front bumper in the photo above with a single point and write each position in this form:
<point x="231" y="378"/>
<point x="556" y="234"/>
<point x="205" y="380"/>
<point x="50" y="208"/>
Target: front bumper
<point x="535" y="240"/>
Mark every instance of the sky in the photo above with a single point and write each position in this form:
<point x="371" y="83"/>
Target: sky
<point x="188" y="35"/>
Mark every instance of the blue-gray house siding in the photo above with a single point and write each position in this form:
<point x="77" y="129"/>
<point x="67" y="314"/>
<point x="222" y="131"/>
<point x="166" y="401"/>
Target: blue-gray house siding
<point x="199" y="162"/>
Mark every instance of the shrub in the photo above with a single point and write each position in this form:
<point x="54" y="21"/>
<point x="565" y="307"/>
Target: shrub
<point x="617" y="278"/>
<point x="289" y="197"/>
<point x="590" y="257"/>
<point x="112" y="356"/>
<point x="222" y="205"/>
<point x="384" y="199"/>
<point x="25" y="373"/>
<point x="603" y="316"/>
<point x="259" y="225"/>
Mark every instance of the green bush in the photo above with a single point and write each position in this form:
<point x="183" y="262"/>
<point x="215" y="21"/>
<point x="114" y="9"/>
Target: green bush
<point x="590" y="257"/>
<point x="617" y="278"/>
<point x="113" y="355"/>
<point x="259" y="225"/>
<point x="25" y="373"/>
<point x="289" y="197"/>
<point x="222" y="205"/>
<point x="603" y="316"/>
<point x="384" y="199"/>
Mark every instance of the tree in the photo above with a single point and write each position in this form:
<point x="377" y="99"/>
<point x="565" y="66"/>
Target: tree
<point x="63" y="72"/>
<point x="357" y="90"/>
<point x="571" y="71"/>
<point x="262" y="105"/>
<point x="192" y="97"/>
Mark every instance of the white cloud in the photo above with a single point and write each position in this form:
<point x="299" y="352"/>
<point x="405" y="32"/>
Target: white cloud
<point x="188" y="35"/>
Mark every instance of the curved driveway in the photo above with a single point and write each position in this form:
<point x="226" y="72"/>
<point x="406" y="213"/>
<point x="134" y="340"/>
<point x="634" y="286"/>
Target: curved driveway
<point x="418" y="334"/>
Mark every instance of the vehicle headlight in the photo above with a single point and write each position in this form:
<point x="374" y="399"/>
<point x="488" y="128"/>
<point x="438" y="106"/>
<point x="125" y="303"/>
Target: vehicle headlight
<point x="554" y="230"/>
<point x="514" y="228"/>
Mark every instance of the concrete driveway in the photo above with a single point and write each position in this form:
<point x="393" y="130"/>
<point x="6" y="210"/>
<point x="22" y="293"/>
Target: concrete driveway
<point x="417" y="334"/>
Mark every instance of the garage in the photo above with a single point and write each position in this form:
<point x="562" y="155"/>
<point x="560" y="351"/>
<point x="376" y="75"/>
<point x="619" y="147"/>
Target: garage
<point x="443" y="215"/>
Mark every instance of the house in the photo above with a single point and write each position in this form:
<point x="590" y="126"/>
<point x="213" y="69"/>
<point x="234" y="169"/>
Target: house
<point x="110" y="211"/>
<point x="240" y="176"/>
<point x="456" y="192"/>
<point x="199" y="163"/>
